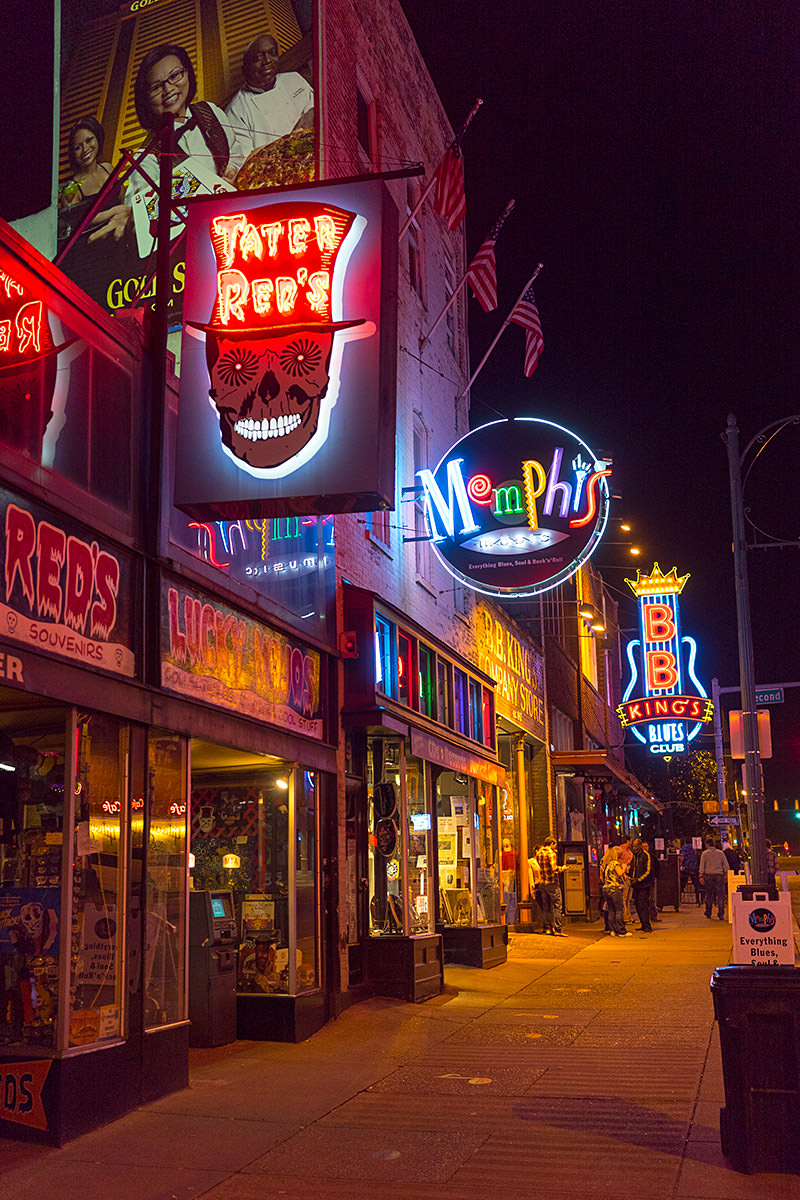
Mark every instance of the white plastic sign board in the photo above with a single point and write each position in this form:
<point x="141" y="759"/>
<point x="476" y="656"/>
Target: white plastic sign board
<point x="762" y="930"/>
<point x="734" y="881"/>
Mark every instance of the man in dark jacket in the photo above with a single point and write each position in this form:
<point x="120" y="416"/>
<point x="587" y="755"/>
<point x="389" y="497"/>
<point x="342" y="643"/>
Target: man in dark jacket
<point x="641" y="872"/>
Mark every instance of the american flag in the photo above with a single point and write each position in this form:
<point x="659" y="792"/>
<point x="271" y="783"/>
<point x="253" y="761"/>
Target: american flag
<point x="448" y="198"/>
<point x="482" y="272"/>
<point x="526" y="314"/>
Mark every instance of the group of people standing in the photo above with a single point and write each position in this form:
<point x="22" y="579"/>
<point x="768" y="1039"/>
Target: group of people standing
<point x="627" y="876"/>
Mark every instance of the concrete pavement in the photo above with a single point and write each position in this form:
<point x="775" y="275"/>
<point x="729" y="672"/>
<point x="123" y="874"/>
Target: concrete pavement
<point x="586" y="1066"/>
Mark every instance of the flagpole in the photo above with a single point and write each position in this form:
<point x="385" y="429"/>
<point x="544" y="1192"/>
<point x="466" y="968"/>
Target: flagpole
<point x="455" y="142"/>
<point x="424" y="341"/>
<point x="499" y="334"/>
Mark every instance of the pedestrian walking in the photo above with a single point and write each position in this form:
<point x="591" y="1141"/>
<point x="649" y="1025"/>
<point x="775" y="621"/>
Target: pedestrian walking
<point x="612" y="878"/>
<point x="733" y="856"/>
<point x="641" y="873"/>
<point x="713" y="874"/>
<point x="689" y="867"/>
<point x="552" y="904"/>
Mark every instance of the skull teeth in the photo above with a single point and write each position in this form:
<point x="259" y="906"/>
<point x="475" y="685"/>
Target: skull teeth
<point x="269" y="427"/>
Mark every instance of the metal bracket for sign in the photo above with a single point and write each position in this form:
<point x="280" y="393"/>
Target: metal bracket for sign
<point x="413" y="491"/>
<point x="425" y="538"/>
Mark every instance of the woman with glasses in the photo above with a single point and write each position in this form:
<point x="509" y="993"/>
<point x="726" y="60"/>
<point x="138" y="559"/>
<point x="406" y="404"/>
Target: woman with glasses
<point x="166" y="83"/>
<point x="205" y="141"/>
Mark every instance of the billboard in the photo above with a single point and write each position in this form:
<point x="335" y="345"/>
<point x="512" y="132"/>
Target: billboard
<point x="238" y="80"/>
<point x="516" y="506"/>
<point x="288" y="357"/>
<point x="664" y="704"/>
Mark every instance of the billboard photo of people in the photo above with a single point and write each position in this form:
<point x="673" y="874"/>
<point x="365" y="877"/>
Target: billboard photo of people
<point x="239" y="85"/>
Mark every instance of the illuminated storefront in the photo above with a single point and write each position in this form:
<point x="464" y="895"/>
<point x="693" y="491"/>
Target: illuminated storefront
<point x="146" y="716"/>
<point x="517" y="666"/>
<point x="423" y="823"/>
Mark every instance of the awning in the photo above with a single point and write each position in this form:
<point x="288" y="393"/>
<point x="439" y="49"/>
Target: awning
<point x="599" y="765"/>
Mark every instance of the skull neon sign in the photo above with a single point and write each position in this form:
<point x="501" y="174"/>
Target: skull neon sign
<point x="270" y="339"/>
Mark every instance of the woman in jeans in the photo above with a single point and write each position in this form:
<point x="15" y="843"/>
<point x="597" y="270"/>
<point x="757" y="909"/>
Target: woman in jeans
<point x="612" y="880"/>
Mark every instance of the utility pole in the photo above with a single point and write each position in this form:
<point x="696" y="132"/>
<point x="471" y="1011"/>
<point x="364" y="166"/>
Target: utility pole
<point x="752" y="757"/>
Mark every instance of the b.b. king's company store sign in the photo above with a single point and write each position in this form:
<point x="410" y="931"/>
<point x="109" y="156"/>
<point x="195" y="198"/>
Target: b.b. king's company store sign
<point x="515" y="507"/>
<point x="665" y="703"/>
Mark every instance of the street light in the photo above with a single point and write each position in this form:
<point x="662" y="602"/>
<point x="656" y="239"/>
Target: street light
<point x="752" y="757"/>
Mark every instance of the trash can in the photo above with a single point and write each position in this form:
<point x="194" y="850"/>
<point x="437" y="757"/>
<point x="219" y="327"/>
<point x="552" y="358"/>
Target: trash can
<point x="758" y="1010"/>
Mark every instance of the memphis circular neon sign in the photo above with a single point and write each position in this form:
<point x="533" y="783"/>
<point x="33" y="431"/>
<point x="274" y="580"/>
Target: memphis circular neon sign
<point x="516" y="507"/>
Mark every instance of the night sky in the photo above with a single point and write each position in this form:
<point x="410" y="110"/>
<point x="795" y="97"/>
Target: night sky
<point x="652" y="152"/>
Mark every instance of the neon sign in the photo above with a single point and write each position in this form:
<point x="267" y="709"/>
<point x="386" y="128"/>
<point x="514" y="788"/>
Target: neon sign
<point x="664" y="714"/>
<point x="515" y="507"/>
<point x="285" y="343"/>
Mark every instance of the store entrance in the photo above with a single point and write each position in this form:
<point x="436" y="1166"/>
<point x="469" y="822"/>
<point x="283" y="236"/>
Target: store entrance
<point x="254" y="834"/>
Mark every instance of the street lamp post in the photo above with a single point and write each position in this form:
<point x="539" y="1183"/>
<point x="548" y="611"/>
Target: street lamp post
<point x="752" y="757"/>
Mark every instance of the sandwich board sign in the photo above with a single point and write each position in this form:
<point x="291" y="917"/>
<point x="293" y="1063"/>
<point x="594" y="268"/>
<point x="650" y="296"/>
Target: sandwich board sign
<point x="762" y="930"/>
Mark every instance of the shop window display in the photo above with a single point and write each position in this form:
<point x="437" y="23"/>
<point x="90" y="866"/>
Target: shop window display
<point x="96" y="978"/>
<point x="399" y="841"/>
<point x="166" y="878"/>
<point x="469" y="858"/>
<point x="245" y="817"/>
<point x="32" y="771"/>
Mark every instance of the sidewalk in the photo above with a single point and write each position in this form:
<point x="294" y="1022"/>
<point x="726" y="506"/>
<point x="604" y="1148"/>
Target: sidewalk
<point x="586" y="1066"/>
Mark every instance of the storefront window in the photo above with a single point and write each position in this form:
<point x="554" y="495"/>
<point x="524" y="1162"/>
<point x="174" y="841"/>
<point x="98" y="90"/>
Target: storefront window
<point x="246" y="812"/>
<point x="419" y="847"/>
<point x="386" y="867"/>
<point x="96" y="976"/>
<point x="461" y="702"/>
<point x="444" y="682"/>
<point x="427" y="681"/>
<point x="487" y="857"/>
<point x="32" y="767"/>
<point x="306" y="879"/>
<point x="475" y="711"/>
<point x="456" y="852"/>
<point x="166" y="879"/>
<point x="405" y="676"/>
<point x="384" y="656"/>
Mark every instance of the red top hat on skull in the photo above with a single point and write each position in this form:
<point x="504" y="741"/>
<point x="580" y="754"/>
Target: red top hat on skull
<point x="269" y="340"/>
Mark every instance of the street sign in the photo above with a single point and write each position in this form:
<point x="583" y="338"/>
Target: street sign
<point x="723" y="820"/>
<point x="769" y="695"/>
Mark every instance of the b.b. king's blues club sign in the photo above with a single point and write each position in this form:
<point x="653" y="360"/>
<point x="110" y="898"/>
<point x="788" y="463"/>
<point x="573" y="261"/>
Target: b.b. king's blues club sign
<point x="516" y="506"/>
<point x="665" y="703"/>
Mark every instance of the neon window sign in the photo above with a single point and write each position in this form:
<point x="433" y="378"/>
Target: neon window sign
<point x="665" y="705"/>
<point x="517" y="506"/>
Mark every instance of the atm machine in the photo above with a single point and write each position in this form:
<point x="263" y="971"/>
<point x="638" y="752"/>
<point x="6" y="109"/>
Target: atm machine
<point x="212" y="968"/>
<point x="573" y="856"/>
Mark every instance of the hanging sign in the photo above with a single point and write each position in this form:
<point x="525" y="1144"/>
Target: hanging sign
<point x="665" y="703"/>
<point x="515" y="507"/>
<point x="287" y="388"/>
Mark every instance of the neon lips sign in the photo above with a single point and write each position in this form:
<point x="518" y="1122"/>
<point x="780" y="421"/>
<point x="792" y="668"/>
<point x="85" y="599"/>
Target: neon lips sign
<point x="664" y="714"/>
<point x="515" y="507"/>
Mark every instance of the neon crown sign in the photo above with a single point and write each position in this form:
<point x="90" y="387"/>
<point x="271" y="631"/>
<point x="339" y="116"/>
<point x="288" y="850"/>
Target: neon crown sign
<point x="664" y="714"/>
<point x="515" y="507"/>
